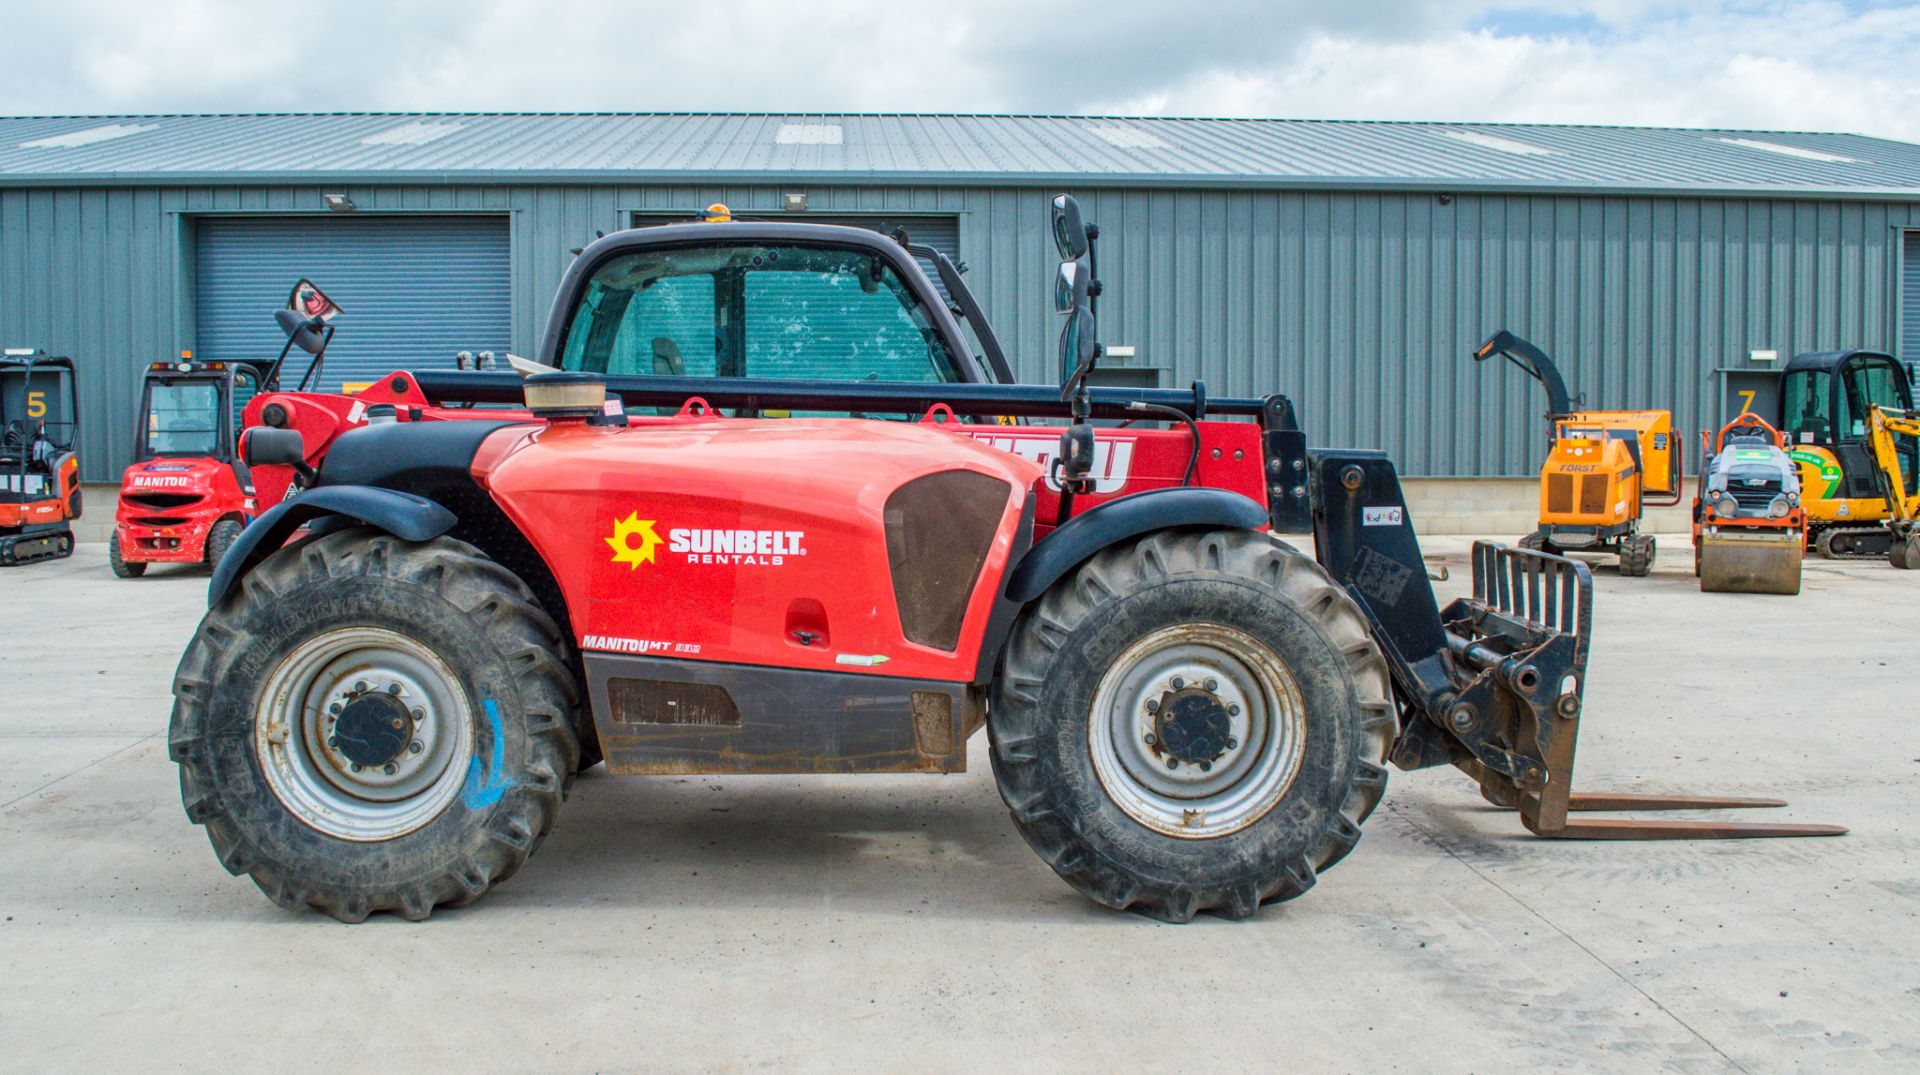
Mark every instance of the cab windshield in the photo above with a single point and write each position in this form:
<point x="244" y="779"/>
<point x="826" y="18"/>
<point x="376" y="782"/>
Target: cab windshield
<point x="791" y="312"/>
<point x="183" y="418"/>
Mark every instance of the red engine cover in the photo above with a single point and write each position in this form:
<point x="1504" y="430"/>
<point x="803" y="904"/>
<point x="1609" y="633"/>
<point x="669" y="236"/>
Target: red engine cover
<point x="710" y="539"/>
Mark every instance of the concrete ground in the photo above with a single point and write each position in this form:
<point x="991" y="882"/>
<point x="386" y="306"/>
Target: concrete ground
<point x="899" y="923"/>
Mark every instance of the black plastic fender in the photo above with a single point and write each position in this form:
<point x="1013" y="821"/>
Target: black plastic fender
<point x="404" y="515"/>
<point x="1117" y="520"/>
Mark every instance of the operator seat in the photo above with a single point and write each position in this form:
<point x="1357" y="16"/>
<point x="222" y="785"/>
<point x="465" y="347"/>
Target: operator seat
<point x="1812" y="421"/>
<point x="666" y="358"/>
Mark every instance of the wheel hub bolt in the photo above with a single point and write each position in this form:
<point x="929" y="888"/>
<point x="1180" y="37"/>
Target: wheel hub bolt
<point x="1153" y="705"/>
<point x="1206" y="767"/>
<point x="393" y="688"/>
<point x="1232" y="743"/>
<point x="389" y="769"/>
<point x="356" y="767"/>
<point x="1178" y="683"/>
<point x="333" y="743"/>
<point x="419" y="714"/>
<point x="1213" y="684"/>
<point x="334" y="709"/>
<point x="1233" y="710"/>
<point x="360" y="686"/>
<point x="1173" y="763"/>
<point x="414" y="747"/>
<point x="1152" y="739"/>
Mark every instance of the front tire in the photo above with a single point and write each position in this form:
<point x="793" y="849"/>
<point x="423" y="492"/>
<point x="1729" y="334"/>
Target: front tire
<point x="221" y="538"/>
<point x="1194" y="721"/>
<point x="367" y="724"/>
<point x="117" y="560"/>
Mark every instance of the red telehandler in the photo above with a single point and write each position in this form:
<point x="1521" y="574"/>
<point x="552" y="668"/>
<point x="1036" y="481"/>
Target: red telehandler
<point x="668" y="548"/>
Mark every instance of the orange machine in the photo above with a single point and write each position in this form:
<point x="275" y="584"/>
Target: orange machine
<point x="1601" y="467"/>
<point x="1749" y="529"/>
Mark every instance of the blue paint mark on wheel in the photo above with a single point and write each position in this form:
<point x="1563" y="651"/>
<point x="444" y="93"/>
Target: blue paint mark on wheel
<point x="486" y="786"/>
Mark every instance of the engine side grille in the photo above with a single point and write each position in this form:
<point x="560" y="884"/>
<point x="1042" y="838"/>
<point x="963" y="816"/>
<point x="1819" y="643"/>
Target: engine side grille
<point x="1593" y="494"/>
<point x="1560" y="493"/>
<point x="939" y="530"/>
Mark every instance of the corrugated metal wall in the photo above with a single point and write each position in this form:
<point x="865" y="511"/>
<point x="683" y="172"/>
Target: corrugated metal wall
<point x="1363" y="307"/>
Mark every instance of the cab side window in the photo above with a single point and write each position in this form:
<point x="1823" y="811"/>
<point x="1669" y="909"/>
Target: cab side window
<point x="794" y="312"/>
<point x="847" y="322"/>
<point x="663" y="326"/>
<point x="1805" y="407"/>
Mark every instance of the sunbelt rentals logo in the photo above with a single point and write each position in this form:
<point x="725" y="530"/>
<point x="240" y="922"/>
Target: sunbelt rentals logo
<point x="634" y="541"/>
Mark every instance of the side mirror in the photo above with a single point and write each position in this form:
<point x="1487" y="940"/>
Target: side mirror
<point x="1070" y="286"/>
<point x="265" y="446"/>
<point x="1069" y="231"/>
<point x="1078" y="348"/>
<point x="304" y="332"/>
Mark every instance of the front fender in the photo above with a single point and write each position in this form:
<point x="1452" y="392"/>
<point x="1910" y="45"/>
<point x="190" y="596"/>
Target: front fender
<point x="404" y="515"/>
<point x="1080" y="537"/>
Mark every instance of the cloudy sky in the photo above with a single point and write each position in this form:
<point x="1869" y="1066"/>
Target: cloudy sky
<point x="1845" y="65"/>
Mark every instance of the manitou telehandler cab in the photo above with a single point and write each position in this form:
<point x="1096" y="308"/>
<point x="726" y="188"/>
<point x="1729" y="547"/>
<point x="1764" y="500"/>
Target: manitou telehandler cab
<point x="1603" y="468"/>
<point x="1186" y="712"/>
<point x="39" y="472"/>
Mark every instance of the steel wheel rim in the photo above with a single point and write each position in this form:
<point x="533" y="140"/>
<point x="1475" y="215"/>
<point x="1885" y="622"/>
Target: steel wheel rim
<point x="316" y="780"/>
<point x="1243" y="783"/>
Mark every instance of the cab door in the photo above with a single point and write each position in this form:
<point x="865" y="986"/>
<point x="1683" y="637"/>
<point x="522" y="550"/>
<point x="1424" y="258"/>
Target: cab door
<point x="1866" y="381"/>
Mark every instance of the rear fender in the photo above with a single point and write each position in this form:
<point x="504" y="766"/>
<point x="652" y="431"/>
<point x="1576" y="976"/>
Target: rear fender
<point x="1077" y="539"/>
<point x="404" y="515"/>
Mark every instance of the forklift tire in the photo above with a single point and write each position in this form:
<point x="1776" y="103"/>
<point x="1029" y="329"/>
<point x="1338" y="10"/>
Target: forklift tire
<point x="1130" y="680"/>
<point x="1636" y="555"/>
<point x="118" y="561"/>
<point x="220" y="539"/>
<point x="286" y="703"/>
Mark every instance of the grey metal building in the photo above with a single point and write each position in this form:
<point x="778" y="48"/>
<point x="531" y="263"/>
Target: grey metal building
<point x="1352" y="265"/>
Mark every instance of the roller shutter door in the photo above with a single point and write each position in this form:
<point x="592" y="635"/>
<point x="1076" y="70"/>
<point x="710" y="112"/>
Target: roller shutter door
<point x="414" y="289"/>
<point x="1910" y="301"/>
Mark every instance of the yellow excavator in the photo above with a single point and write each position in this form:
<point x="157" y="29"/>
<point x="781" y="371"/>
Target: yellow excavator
<point x="1823" y="401"/>
<point x="1889" y="430"/>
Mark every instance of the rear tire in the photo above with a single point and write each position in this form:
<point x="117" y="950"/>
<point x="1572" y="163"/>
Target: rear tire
<point x="116" y="559"/>
<point x="1092" y="664"/>
<point x="1636" y="555"/>
<point x="220" y="539"/>
<point x="284" y="697"/>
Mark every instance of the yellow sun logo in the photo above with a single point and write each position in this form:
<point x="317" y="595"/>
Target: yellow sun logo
<point x="624" y="550"/>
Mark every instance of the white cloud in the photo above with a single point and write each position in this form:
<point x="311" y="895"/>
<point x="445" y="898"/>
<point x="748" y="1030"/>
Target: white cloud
<point x="1728" y="63"/>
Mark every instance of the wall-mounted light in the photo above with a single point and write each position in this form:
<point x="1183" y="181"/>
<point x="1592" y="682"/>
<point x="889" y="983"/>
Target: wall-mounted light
<point x="340" y="203"/>
<point x="796" y="203"/>
<point x="1443" y="198"/>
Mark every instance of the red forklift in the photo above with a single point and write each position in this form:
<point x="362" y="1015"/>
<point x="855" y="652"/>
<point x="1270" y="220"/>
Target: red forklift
<point x="188" y="493"/>
<point x="39" y="472"/>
